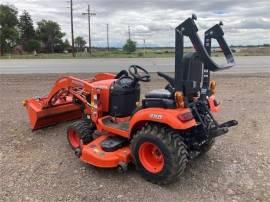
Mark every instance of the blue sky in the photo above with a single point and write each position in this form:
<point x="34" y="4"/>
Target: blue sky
<point x="245" y="21"/>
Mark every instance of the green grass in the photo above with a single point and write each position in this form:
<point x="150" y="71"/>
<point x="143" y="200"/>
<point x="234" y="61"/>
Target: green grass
<point x="95" y="54"/>
<point x="114" y="53"/>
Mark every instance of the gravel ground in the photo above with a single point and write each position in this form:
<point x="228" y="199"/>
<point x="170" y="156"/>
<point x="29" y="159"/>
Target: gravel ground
<point x="40" y="166"/>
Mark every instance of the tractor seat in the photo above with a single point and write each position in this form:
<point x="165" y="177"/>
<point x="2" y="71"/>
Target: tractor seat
<point x="159" y="93"/>
<point x="159" y="98"/>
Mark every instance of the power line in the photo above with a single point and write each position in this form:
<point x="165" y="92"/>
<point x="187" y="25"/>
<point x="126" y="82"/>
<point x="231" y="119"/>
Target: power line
<point x="89" y="14"/>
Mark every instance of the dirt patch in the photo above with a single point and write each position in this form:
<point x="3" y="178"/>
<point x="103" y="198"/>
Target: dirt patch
<point x="40" y="166"/>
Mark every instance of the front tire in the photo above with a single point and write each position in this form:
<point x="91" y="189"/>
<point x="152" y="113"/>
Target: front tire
<point x="80" y="132"/>
<point x="159" y="153"/>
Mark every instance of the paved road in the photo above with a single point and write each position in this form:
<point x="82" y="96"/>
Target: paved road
<point x="28" y="66"/>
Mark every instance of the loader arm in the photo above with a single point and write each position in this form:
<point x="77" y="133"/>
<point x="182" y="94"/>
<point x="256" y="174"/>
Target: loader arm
<point x="58" y="106"/>
<point x="71" y="84"/>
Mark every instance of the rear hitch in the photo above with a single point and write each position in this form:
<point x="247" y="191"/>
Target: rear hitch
<point x="229" y="123"/>
<point x="218" y="132"/>
<point x="222" y="128"/>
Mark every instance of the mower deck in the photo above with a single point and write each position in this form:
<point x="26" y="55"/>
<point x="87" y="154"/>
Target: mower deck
<point x="93" y="154"/>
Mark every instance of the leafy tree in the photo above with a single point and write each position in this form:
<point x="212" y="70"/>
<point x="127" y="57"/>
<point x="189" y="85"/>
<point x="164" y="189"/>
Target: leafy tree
<point x="33" y="45"/>
<point x="8" y="31"/>
<point x="50" y="34"/>
<point x="26" y="30"/>
<point x="66" y="44"/>
<point x="130" y="46"/>
<point x="59" y="47"/>
<point x="79" y="42"/>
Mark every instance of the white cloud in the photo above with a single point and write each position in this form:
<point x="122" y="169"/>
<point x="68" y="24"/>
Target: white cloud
<point x="245" y="21"/>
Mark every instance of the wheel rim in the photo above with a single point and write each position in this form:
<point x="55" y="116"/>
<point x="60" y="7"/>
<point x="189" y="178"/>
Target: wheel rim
<point x="151" y="157"/>
<point x="74" y="139"/>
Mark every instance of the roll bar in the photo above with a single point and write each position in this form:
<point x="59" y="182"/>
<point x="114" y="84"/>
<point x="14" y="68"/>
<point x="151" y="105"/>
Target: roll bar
<point x="217" y="33"/>
<point x="189" y="28"/>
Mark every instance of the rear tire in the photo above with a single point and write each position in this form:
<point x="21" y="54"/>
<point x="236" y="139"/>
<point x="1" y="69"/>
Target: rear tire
<point x="159" y="153"/>
<point x="80" y="132"/>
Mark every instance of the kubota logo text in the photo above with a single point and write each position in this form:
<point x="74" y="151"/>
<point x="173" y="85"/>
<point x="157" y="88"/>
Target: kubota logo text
<point x="156" y="116"/>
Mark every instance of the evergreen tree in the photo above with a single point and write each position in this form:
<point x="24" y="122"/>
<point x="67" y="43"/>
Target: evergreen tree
<point x="26" y="29"/>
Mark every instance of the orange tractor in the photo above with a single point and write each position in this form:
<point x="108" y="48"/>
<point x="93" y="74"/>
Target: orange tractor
<point x="160" y="133"/>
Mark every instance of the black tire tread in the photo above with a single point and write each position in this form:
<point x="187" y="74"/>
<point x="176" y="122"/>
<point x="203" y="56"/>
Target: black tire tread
<point x="175" y="145"/>
<point x="84" y="128"/>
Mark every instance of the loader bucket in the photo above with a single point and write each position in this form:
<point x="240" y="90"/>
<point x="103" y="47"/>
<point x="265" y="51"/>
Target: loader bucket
<point x="40" y="116"/>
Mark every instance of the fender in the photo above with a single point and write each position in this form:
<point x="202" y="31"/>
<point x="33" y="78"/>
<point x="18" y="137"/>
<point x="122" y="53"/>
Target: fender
<point x="160" y="115"/>
<point x="103" y="76"/>
<point x="214" y="106"/>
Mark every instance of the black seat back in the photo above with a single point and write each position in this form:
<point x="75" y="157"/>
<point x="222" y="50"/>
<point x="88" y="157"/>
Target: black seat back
<point x="192" y="74"/>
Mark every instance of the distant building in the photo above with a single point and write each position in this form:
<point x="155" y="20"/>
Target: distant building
<point x="18" y="50"/>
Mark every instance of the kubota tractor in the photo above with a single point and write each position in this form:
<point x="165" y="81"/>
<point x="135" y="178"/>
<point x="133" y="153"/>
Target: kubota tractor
<point x="160" y="133"/>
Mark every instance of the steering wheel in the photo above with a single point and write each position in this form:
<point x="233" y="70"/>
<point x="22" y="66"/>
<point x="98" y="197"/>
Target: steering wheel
<point x="139" y="76"/>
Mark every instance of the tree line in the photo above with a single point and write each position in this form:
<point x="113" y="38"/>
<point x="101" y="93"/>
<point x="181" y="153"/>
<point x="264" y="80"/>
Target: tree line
<point x="18" y="31"/>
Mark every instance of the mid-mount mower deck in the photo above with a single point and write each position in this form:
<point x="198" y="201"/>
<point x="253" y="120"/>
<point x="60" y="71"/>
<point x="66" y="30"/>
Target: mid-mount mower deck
<point x="160" y="133"/>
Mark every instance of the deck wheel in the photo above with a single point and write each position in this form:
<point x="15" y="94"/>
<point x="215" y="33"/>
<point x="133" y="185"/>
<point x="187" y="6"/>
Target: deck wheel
<point x="73" y="139"/>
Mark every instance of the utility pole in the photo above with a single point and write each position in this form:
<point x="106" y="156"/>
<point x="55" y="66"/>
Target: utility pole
<point x="89" y="14"/>
<point x="144" y="47"/>
<point x="72" y="32"/>
<point x="108" y="44"/>
<point x="129" y="32"/>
